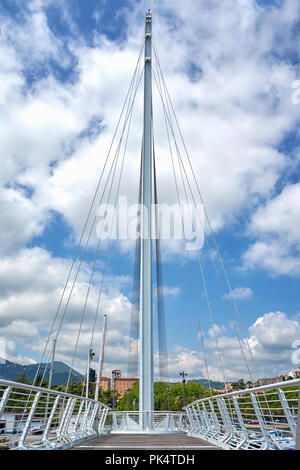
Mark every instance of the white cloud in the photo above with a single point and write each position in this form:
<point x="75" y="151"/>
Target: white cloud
<point x="277" y="229"/>
<point x="170" y="291"/>
<point x="240" y="293"/>
<point x="270" y="338"/>
<point x="216" y="330"/>
<point x="233" y="104"/>
<point x="21" y="219"/>
<point x="275" y="332"/>
<point x="9" y="352"/>
<point x="31" y="285"/>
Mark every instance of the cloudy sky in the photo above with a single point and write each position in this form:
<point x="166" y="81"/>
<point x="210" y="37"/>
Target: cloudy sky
<point x="232" y="69"/>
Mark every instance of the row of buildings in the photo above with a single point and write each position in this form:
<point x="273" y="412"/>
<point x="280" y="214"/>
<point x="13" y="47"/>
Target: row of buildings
<point x="229" y="387"/>
<point x="119" y="383"/>
<point x="123" y="384"/>
<point x="294" y="374"/>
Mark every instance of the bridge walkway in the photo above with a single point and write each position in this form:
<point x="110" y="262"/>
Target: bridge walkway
<point x="146" y="442"/>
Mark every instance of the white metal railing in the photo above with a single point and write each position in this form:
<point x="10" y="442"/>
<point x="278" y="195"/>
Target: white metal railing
<point x="38" y="418"/>
<point x="258" y="418"/>
<point x="160" y="421"/>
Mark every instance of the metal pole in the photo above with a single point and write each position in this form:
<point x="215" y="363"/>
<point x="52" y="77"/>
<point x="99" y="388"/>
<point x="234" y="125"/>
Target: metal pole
<point x="146" y="396"/>
<point x="183" y="374"/>
<point x="90" y="357"/>
<point x="50" y="376"/>
<point x="168" y="389"/>
<point x="128" y="390"/>
<point x="87" y="376"/>
<point x="52" y="363"/>
<point x="114" y="389"/>
<point x="101" y="357"/>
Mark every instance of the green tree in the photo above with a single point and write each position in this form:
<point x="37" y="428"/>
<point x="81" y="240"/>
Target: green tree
<point x="193" y="391"/>
<point x="22" y="379"/>
<point x="240" y="385"/>
<point x="129" y="398"/>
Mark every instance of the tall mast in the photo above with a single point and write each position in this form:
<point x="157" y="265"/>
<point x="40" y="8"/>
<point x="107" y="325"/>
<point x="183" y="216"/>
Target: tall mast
<point x="52" y="363"/>
<point x="146" y="400"/>
<point x="101" y="358"/>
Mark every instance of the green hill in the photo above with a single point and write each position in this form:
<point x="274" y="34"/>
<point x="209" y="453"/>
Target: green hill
<point x="213" y="383"/>
<point x="12" y="371"/>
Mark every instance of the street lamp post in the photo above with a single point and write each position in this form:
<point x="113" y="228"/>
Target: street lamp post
<point x="50" y="376"/>
<point x="183" y="375"/>
<point x="115" y="374"/>
<point x="114" y="388"/>
<point x="128" y="390"/>
<point x="168" y="390"/>
<point x="91" y="355"/>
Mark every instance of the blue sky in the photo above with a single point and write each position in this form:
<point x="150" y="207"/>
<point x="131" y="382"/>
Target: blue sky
<point x="230" y="68"/>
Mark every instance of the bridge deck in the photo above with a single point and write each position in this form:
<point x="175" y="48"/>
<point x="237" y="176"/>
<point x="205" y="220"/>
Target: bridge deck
<point x="146" y="442"/>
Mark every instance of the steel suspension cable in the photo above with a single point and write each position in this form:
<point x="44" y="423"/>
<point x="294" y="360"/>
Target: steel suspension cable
<point x="99" y="240"/>
<point x="212" y="322"/>
<point x="207" y="218"/>
<point x="132" y="367"/>
<point x="168" y="121"/>
<point x="108" y="245"/>
<point x="161" y="318"/>
<point x="89" y="285"/>
<point x="95" y="218"/>
<point x="89" y="213"/>
<point x="188" y="258"/>
<point x="207" y="242"/>
<point x="117" y="193"/>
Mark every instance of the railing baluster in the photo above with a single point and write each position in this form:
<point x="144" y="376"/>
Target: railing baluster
<point x="102" y="420"/>
<point x="190" y="418"/>
<point x="60" y="431"/>
<point x="92" y="418"/>
<point x="21" y="443"/>
<point x="195" y="419"/>
<point x="241" y="423"/>
<point x="226" y="421"/>
<point x="45" y="438"/>
<point x="287" y="412"/>
<point x="86" y="416"/>
<point x="4" y="399"/>
<point x="215" y="419"/>
<point x="78" y="417"/>
<point x="65" y="431"/>
<point x="206" y="419"/>
<point x="262" y="426"/>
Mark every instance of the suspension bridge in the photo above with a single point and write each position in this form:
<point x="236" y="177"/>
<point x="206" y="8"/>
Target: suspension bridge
<point x="257" y="418"/>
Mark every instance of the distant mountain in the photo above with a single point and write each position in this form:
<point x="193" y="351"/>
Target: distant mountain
<point x="12" y="371"/>
<point x="213" y="383"/>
